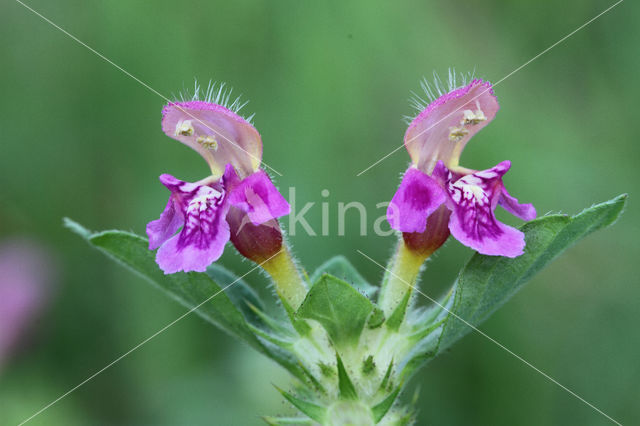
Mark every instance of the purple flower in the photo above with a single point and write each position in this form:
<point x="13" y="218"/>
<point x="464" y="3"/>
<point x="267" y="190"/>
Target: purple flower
<point x="233" y="149"/>
<point x="435" y="139"/>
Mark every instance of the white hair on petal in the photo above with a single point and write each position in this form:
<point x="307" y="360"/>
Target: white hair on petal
<point x="432" y="90"/>
<point x="215" y="93"/>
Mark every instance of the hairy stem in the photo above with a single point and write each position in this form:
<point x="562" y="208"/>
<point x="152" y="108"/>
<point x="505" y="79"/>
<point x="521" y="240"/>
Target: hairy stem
<point x="400" y="277"/>
<point x="290" y="285"/>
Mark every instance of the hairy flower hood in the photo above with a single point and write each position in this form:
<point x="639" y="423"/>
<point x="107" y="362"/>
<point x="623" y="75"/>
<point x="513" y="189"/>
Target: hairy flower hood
<point x="443" y="128"/>
<point x="218" y="134"/>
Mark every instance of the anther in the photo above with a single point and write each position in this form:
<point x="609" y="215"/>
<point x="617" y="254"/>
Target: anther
<point x="208" y="141"/>
<point x="470" y="117"/>
<point x="457" y="133"/>
<point x="184" y="128"/>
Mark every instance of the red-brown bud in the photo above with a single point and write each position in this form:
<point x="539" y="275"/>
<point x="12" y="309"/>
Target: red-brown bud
<point x="255" y="242"/>
<point x="433" y="237"/>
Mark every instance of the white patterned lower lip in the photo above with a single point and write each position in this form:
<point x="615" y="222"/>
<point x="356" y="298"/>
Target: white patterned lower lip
<point x="206" y="199"/>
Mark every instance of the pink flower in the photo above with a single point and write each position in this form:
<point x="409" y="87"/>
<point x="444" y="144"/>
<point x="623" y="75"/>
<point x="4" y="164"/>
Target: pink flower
<point x="233" y="148"/>
<point x="435" y="139"/>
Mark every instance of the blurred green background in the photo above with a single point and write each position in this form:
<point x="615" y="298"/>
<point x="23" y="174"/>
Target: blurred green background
<point x="329" y="83"/>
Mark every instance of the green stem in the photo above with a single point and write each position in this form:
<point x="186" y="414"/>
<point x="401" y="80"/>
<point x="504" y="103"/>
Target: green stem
<point x="290" y="285"/>
<point x="400" y="278"/>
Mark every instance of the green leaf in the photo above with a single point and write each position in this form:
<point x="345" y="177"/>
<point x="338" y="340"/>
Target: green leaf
<point x="300" y="325"/>
<point x="423" y="352"/>
<point x="345" y="385"/>
<point x="189" y="289"/>
<point x="383" y="407"/>
<point x="311" y="379"/>
<point x="340" y="308"/>
<point x="279" y="328"/>
<point x="240" y="293"/>
<point x="272" y="338"/>
<point x="386" y="380"/>
<point x="487" y="282"/>
<point x="340" y="267"/>
<point x="397" y="316"/>
<point x="316" y="412"/>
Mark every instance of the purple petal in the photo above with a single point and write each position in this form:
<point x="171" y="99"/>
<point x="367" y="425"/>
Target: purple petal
<point x="160" y="230"/>
<point x="510" y="204"/>
<point x="172" y="218"/>
<point x="473" y="199"/>
<point x="258" y="197"/>
<point x="441" y="174"/>
<point x="203" y="237"/>
<point x="176" y="185"/>
<point x="483" y="233"/>
<point x="230" y="178"/>
<point x="444" y="127"/>
<point x="417" y="197"/>
<point x="218" y="134"/>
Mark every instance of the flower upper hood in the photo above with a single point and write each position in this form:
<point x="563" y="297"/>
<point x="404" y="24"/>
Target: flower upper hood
<point x="443" y="128"/>
<point x="217" y="133"/>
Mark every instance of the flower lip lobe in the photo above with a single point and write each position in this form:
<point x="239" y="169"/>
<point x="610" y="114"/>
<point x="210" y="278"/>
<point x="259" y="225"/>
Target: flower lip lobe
<point x="201" y="211"/>
<point x="472" y="200"/>
<point x="444" y="127"/>
<point x="258" y="197"/>
<point x="218" y="134"/>
<point x="511" y="204"/>
<point x="418" y="196"/>
<point x="166" y="226"/>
